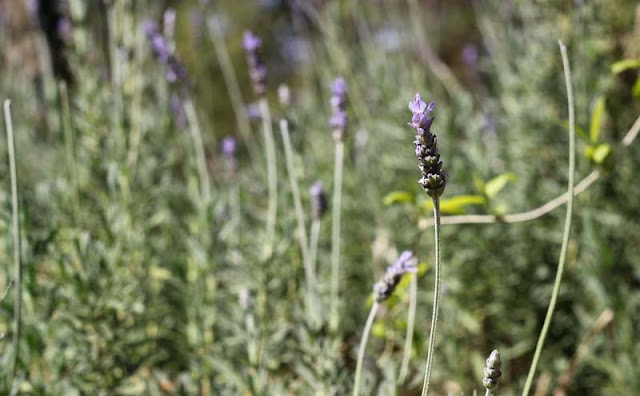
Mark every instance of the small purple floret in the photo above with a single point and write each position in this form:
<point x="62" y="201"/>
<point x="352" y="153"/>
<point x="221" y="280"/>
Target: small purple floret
<point x="384" y="288"/>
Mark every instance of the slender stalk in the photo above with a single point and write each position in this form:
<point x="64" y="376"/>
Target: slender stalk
<point x="17" y="247"/>
<point x="231" y="82"/>
<point x="68" y="144"/>
<point x="334" y="318"/>
<point x="363" y="346"/>
<point x="488" y="392"/>
<point x="272" y="175"/>
<point x="411" y="320"/>
<point x="567" y="223"/>
<point x="313" y="249"/>
<point x="302" y="231"/>
<point x="198" y="146"/>
<point x="436" y="300"/>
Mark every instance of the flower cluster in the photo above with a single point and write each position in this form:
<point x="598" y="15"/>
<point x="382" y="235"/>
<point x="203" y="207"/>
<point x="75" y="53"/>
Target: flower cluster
<point x="257" y="69"/>
<point x="338" y="119"/>
<point x="492" y="371"/>
<point x="433" y="178"/>
<point x="384" y="288"/>
<point x="161" y="49"/>
<point x="318" y="200"/>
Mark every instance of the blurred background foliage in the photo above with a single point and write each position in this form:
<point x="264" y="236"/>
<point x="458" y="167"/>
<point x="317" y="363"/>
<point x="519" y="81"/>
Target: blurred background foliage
<point x="135" y="284"/>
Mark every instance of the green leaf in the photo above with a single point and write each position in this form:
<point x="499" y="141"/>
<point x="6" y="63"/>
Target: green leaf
<point x="601" y="153"/>
<point x="479" y="183"/>
<point x="495" y="185"/>
<point x="636" y="88"/>
<point x="596" y="120"/>
<point x="398" y="197"/>
<point x="626" y="64"/>
<point x="579" y="130"/>
<point x="456" y="205"/>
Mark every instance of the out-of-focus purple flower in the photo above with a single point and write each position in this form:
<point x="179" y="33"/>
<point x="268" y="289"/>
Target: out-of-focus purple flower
<point x="257" y="68"/>
<point x="65" y="29"/>
<point x="470" y="55"/>
<point x="161" y="49"/>
<point x="385" y="287"/>
<point x="338" y="119"/>
<point x="318" y="200"/>
<point x="251" y="42"/>
<point x="253" y="112"/>
<point x="169" y="23"/>
<point x="433" y="177"/>
<point x="150" y="28"/>
<point x="228" y="146"/>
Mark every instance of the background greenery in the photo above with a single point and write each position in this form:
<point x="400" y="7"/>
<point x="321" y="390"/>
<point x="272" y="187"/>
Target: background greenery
<point x="135" y="284"/>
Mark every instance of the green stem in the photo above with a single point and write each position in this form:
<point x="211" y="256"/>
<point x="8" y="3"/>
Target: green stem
<point x="315" y="236"/>
<point x="302" y="231"/>
<point x="436" y="301"/>
<point x="567" y="223"/>
<point x="198" y="146"/>
<point x="363" y="346"/>
<point x="17" y="247"/>
<point x="334" y="318"/>
<point x="231" y="82"/>
<point x="68" y="144"/>
<point x="272" y="175"/>
<point x="411" y="319"/>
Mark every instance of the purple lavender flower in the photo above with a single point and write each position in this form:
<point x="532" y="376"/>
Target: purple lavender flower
<point x="253" y="111"/>
<point x="318" y="200"/>
<point x="433" y="178"/>
<point x="228" y="146"/>
<point x="385" y="287"/>
<point x="470" y="55"/>
<point x="257" y="69"/>
<point x="169" y="23"/>
<point x="338" y="119"/>
<point x="161" y="49"/>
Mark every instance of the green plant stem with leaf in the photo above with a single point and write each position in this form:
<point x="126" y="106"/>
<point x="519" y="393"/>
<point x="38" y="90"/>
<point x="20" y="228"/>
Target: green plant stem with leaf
<point x="436" y="300"/>
<point x="411" y="320"/>
<point x="302" y="231"/>
<point x="313" y="244"/>
<point x="198" y="146"/>
<point x="17" y="248"/>
<point x="567" y="224"/>
<point x="334" y="317"/>
<point x="363" y="347"/>
<point x="69" y="147"/>
<point x="272" y="175"/>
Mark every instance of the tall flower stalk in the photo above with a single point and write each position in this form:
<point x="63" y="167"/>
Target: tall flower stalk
<point x="318" y="210"/>
<point x="433" y="182"/>
<point x="258" y="75"/>
<point x="302" y="230"/>
<point x="17" y="247"/>
<point x="338" y="124"/>
<point x="381" y="292"/>
<point x="567" y="223"/>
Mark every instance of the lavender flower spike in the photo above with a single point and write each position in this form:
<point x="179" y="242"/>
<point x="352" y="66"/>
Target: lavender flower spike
<point x="257" y="69"/>
<point x="338" y="119"/>
<point x="385" y="287"/>
<point x="318" y="200"/>
<point x="433" y="177"/>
